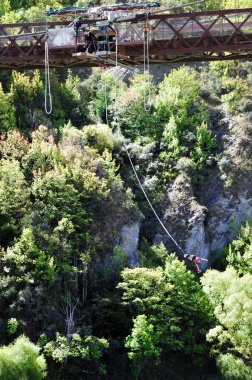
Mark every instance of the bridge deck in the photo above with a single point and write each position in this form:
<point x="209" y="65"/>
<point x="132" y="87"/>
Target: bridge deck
<point x="186" y="37"/>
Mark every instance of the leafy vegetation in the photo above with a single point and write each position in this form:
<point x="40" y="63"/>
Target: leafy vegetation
<point x="21" y="360"/>
<point x="69" y="279"/>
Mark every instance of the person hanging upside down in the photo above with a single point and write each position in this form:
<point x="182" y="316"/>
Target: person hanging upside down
<point x="196" y="261"/>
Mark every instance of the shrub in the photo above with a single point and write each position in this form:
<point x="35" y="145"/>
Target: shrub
<point x="21" y="361"/>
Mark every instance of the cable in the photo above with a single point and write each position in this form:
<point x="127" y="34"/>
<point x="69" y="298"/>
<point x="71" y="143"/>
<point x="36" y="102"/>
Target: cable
<point x="48" y="95"/>
<point x="190" y="257"/>
<point x="147" y="104"/>
<point x="148" y="200"/>
<point x="105" y="99"/>
<point x="138" y="179"/>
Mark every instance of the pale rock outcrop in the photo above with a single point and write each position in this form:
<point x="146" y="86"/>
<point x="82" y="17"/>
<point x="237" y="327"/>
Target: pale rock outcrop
<point x="129" y="241"/>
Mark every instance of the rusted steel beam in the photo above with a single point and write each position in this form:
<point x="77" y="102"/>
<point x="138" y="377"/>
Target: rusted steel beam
<point x="221" y="12"/>
<point x="186" y="37"/>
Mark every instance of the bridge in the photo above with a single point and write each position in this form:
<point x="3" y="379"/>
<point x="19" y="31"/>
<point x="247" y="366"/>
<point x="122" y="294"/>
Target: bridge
<point x="133" y="40"/>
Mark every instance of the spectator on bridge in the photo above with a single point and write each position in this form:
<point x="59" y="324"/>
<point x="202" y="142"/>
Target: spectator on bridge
<point x="91" y="41"/>
<point x="76" y="23"/>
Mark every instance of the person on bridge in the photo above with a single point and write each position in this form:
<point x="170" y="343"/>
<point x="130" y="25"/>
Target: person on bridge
<point x="196" y="260"/>
<point x="76" y="23"/>
<point x="91" y="41"/>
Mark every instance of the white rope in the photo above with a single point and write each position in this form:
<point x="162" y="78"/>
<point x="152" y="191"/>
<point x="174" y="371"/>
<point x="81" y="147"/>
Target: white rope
<point x="48" y="95"/>
<point x="186" y="256"/>
<point x="147" y="102"/>
<point x="148" y="200"/>
<point x="138" y="179"/>
<point x="106" y="99"/>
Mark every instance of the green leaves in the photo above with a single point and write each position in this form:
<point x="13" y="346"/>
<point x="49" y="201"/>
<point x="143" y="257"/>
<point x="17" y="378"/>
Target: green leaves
<point x="143" y="343"/>
<point x="14" y="200"/>
<point x="233" y="368"/>
<point x="179" y="91"/>
<point x="89" y="349"/>
<point x="176" y="311"/>
<point x="240" y="251"/>
<point x="231" y="339"/>
<point x="21" y="361"/>
<point x="7" y="111"/>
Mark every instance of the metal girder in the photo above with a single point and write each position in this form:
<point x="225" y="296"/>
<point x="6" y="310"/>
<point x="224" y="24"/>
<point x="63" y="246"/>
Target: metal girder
<point x="184" y="37"/>
<point x="189" y="36"/>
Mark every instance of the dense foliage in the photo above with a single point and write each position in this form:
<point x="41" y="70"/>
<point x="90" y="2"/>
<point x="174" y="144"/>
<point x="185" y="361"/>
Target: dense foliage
<point x="69" y="202"/>
<point x="21" y="360"/>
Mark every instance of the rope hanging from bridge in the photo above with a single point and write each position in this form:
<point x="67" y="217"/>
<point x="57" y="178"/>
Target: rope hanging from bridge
<point x="187" y="256"/>
<point x="136" y="175"/>
<point x="48" y="95"/>
<point x="147" y="96"/>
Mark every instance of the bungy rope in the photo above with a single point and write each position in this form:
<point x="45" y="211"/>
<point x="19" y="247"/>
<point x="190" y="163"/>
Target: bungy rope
<point x="147" y="96"/>
<point x="106" y="99"/>
<point x="48" y="95"/>
<point x="190" y="257"/>
<point x="134" y="169"/>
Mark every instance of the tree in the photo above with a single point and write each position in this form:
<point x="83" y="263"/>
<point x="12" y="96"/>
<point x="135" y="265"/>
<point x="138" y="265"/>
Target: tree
<point x="173" y="303"/>
<point x="13" y="146"/>
<point x="131" y="114"/>
<point x="142" y="344"/>
<point x="178" y="94"/>
<point x="240" y="251"/>
<point x="231" y="338"/>
<point x="14" y="199"/>
<point x="71" y="101"/>
<point x="7" y="111"/>
<point x="204" y="144"/>
<point x="232" y="368"/>
<point x="5" y="7"/>
<point x="99" y="137"/>
<point x="101" y="90"/>
<point x="21" y="360"/>
<point x="171" y="146"/>
<point x="27" y="92"/>
<point x="89" y="349"/>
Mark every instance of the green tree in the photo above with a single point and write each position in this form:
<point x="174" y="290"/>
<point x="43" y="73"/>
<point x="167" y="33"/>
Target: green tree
<point x="231" y="297"/>
<point x="27" y="92"/>
<point x="71" y="102"/>
<point x="171" y="148"/>
<point x="7" y="112"/>
<point x="178" y="94"/>
<point x="13" y="146"/>
<point x="89" y="349"/>
<point x="21" y="360"/>
<point x="99" y="137"/>
<point x="12" y="326"/>
<point x="171" y="299"/>
<point x="27" y="263"/>
<point x="232" y="368"/>
<point x="240" y="251"/>
<point x="100" y="92"/>
<point x="5" y="7"/>
<point x="131" y="106"/>
<point x="14" y="199"/>
<point x="142" y="344"/>
<point x="204" y="144"/>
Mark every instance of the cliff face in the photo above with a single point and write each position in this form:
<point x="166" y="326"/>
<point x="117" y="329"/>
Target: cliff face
<point x="205" y="218"/>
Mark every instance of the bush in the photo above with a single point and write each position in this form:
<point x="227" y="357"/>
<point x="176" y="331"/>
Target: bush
<point x="21" y="361"/>
<point x="232" y="368"/>
<point x="99" y="137"/>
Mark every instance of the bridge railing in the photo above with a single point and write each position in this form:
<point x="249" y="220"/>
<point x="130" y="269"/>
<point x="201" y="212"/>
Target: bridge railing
<point x="23" y="35"/>
<point x="228" y="25"/>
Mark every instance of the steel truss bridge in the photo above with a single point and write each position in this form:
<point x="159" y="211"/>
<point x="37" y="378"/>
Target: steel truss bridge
<point x="165" y="38"/>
